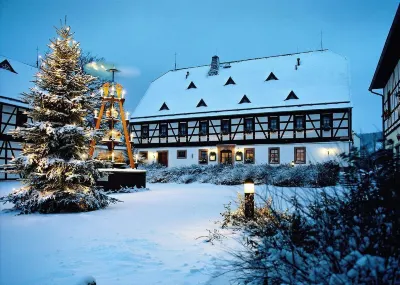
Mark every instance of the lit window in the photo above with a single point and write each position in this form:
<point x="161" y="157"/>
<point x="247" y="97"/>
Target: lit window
<point x="300" y="155"/>
<point x="274" y="155"/>
<point x="249" y="155"/>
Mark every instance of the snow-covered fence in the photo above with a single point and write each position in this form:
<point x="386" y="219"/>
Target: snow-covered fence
<point x="313" y="175"/>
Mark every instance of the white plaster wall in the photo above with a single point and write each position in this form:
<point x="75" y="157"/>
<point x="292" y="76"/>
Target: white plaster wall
<point x="315" y="152"/>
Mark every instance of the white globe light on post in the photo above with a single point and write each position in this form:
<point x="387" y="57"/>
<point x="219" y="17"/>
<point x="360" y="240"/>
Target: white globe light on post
<point x="249" y="198"/>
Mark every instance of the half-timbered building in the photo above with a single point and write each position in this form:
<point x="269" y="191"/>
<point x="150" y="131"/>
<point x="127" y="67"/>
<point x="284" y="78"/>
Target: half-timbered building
<point x="15" y="78"/>
<point x="292" y="108"/>
<point x="387" y="78"/>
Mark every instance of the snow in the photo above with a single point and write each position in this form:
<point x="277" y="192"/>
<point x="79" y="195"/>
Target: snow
<point x="150" y="238"/>
<point x="13" y="85"/>
<point x="322" y="77"/>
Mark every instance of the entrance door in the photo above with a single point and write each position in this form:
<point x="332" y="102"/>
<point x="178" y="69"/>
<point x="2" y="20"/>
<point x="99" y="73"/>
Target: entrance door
<point x="226" y="156"/>
<point x="163" y="158"/>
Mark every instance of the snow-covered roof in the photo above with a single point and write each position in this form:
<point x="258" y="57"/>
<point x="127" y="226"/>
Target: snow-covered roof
<point x="14" y="80"/>
<point x="322" y="77"/>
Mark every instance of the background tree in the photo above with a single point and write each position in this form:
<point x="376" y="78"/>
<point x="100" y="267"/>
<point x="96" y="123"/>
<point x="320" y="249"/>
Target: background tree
<point x="53" y="164"/>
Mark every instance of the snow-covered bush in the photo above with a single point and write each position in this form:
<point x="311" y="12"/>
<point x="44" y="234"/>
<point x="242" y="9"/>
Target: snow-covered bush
<point x="314" y="175"/>
<point x="330" y="236"/>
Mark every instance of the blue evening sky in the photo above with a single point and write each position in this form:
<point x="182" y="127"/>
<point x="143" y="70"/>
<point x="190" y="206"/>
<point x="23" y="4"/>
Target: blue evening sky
<point x="142" y="36"/>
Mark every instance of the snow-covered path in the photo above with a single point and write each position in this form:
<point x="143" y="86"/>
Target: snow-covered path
<point x="150" y="238"/>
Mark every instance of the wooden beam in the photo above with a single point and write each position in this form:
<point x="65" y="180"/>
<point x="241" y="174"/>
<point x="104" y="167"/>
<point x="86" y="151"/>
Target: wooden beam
<point x="126" y="134"/>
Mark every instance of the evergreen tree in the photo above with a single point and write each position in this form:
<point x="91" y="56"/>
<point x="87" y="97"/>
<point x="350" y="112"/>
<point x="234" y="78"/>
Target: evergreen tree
<point x="55" y="170"/>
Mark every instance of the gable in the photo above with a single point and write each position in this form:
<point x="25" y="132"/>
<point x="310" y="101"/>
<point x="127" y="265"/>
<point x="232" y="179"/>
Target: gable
<point x="7" y="66"/>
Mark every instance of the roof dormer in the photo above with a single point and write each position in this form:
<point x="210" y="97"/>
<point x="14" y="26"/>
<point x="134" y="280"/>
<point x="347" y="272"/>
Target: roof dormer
<point x="191" y="85"/>
<point x="271" y="76"/>
<point x="164" y="107"/>
<point x="201" y="104"/>
<point x="291" y="96"/>
<point x="230" y="81"/>
<point x="244" y="100"/>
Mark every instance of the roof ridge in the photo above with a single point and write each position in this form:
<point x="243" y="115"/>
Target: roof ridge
<point x="9" y="58"/>
<point x="248" y="59"/>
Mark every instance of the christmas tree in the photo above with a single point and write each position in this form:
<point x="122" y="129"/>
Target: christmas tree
<point x="56" y="172"/>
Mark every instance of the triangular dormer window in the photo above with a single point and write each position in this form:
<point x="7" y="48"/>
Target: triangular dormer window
<point x="164" y="107"/>
<point x="7" y="66"/>
<point x="230" y="81"/>
<point x="271" y="76"/>
<point x="201" y="104"/>
<point x="291" y="96"/>
<point x="244" y="100"/>
<point x="191" y="85"/>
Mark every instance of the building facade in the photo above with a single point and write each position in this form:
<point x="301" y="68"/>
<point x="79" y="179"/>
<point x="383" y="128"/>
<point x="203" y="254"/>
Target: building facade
<point x="387" y="78"/>
<point x="15" y="78"/>
<point x="291" y="108"/>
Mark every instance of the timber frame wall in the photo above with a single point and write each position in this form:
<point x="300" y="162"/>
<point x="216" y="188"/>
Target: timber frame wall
<point x="11" y="116"/>
<point x="312" y="131"/>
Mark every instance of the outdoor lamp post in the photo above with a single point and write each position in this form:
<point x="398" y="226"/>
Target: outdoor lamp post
<point x="249" y="198"/>
<point x="292" y="164"/>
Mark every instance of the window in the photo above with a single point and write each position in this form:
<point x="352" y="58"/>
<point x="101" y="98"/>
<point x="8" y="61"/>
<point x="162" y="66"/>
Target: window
<point x="182" y="129"/>
<point x="300" y="155"/>
<point x="201" y="104"/>
<point x="21" y="118"/>
<point x="273" y="123"/>
<point x="326" y="122"/>
<point x="181" y="154"/>
<point x="191" y="85"/>
<point x="244" y="100"/>
<point x="271" y="76"/>
<point x="164" y="107"/>
<point x="144" y="155"/>
<point x="226" y="156"/>
<point x="225" y="128"/>
<point x="291" y="95"/>
<point x="230" y="81"/>
<point x="274" y="155"/>
<point x="163" y="130"/>
<point x="299" y="123"/>
<point x="249" y="155"/>
<point x="248" y="125"/>
<point x="203" y="156"/>
<point x="203" y="128"/>
<point x="145" y="132"/>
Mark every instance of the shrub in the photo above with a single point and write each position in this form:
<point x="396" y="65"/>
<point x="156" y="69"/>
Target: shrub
<point x="315" y="175"/>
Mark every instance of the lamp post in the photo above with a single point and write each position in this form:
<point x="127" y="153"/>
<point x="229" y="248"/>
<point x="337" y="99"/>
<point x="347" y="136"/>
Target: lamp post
<point x="292" y="164"/>
<point x="249" y="198"/>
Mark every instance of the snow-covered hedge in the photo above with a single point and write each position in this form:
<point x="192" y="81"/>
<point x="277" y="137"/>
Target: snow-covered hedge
<point x="313" y="175"/>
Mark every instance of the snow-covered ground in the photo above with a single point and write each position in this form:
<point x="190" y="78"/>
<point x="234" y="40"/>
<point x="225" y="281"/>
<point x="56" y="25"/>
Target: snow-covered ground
<point x="150" y="238"/>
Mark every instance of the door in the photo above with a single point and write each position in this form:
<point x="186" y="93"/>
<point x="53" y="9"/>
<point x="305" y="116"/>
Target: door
<point x="163" y="158"/>
<point x="226" y="157"/>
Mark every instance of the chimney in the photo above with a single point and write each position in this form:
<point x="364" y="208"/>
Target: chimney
<point x="298" y="61"/>
<point x="214" y="66"/>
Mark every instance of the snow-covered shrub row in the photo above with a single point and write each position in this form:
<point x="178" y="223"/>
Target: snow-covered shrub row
<point x="331" y="236"/>
<point x="313" y="175"/>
